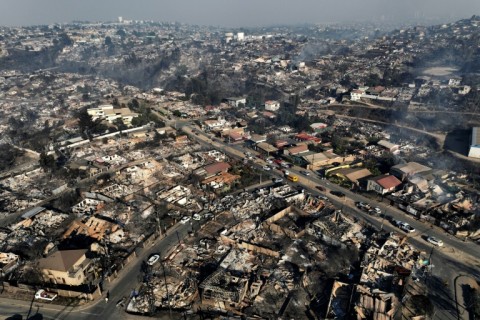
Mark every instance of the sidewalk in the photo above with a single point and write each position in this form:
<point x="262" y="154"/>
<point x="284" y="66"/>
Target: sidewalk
<point x="25" y="299"/>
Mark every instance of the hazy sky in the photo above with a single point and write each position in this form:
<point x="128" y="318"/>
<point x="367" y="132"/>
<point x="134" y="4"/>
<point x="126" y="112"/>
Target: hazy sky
<point x="231" y="12"/>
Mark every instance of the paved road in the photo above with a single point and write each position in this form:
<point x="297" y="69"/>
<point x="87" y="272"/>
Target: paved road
<point x="467" y="250"/>
<point x="455" y="258"/>
<point x="122" y="286"/>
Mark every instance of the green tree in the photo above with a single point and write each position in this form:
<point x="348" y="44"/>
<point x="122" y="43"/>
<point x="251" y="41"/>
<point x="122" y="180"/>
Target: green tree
<point x="119" y="124"/>
<point x="85" y="121"/>
<point x="121" y="33"/>
<point x="108" y="41"/>
<point x="373" y="80"/>
<point x="134" y="105"/>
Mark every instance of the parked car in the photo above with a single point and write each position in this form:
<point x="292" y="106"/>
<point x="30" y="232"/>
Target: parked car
<point x="45" y="295"/>
<point x="266" y="168"/>
<point x="208" y="215"/>
<point x="197" y="217"/>
<point x="185" y="219"/>
<point x="435" y="241"/>
<point x="396" y="223"/>
<point x="386" y="216"/>
<point x="360" y="204"/>
<point x="338" y="193"/>
<point x="320" y="188"/>
<point x="153" y="259"/>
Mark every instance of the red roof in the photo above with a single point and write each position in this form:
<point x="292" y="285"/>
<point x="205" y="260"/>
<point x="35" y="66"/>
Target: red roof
<point x="281" y="143"/>
<point x="236" y="135"/>
<point x="210" y="108"/>
<point x="387" y="181"/>
<point x="306" y="137"/>
<point x="215" y="168"/>
<point x="298" y="149"/>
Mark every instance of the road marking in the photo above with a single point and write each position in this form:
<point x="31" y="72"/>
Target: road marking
<point x="95" y="314"/>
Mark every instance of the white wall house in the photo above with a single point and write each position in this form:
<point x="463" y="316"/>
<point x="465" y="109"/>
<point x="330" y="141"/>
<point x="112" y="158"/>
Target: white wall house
<point x="109" y="113"/>
<point x="356" y="95"/>
<point x="271" y="105"/>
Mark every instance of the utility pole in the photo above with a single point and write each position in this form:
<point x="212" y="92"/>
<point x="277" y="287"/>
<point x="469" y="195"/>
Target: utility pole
<point x="178" y="237"/>
<point x="166" y="287"/>
<point x="383" y="218"/>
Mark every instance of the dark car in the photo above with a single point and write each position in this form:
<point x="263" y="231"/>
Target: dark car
<point x="338" y="193"/>
<point x="320" y="188"/>
<point x="386" y="217"/>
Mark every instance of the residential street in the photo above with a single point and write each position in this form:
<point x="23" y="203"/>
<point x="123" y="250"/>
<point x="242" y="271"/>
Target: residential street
<point x="455" y="258"/>
<point x="122" y="286"/>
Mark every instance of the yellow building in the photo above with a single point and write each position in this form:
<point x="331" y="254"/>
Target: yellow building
<point x="67" y="267"/>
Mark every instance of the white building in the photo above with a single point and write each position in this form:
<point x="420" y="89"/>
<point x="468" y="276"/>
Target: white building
<point x="356" y="95"/>
<point x="236" y="101"/>
<point x="453" y="82"/>
<point x="474" y="151"/>
<point x="240" y="36"/>
<point x="464" y="90"/>
<point x="228" y="37"/>
<point x="107" y="112"/>
<point x="216" y="123"/>
<point x="271" y="105"/>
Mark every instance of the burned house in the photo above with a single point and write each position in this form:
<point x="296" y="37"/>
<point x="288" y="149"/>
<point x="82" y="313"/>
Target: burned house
<point x="223" y="290"/>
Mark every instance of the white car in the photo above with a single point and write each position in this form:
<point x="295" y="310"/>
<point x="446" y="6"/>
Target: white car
<point x="45" y="295"/>
<point x="197" y="217"/>
<point x="277" y="180"/>
<point x="153" y="259"/>
<point x="185" y="219"/>
<point x="377" y="210"/>
<point x="435" y="241"/>
<point x="406" y="227"/>
<point x="266" y="168"/>
<point x="360" y="204"/>
<point x="208" y="215"/>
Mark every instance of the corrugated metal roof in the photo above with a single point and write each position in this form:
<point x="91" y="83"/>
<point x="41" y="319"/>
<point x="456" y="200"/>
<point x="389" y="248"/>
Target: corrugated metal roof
<point x="32" y="212"/>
